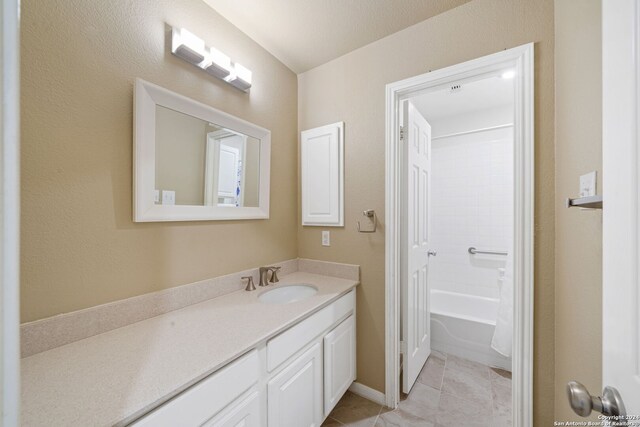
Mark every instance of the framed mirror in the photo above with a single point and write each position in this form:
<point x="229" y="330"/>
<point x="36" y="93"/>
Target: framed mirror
<point x="193" y="162"/>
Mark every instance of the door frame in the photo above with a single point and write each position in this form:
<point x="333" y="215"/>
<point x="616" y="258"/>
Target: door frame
<point x="521" y="58"/>
<point x="10" y="214"/>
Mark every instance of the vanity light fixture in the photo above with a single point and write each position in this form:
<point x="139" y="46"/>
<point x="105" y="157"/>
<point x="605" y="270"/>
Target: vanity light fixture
<point x="192" y="49"/>
<point x="187" y="46"/>
<point x="241" y="77"/>
<point x="218" y="64"/>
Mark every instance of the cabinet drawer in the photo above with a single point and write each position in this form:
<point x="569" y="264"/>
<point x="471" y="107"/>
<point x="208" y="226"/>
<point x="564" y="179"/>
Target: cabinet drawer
<point x="289" y="342"/>
<point x="202" y="401"/>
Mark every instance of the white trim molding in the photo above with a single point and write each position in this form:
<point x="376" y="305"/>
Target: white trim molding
<point x="521" y="59"/>
<point x="10" y="215"/>
<point x="368" y="393"/>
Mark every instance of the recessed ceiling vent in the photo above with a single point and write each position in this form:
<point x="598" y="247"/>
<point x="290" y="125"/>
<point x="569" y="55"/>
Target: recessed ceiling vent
<point x="455" y="88"/>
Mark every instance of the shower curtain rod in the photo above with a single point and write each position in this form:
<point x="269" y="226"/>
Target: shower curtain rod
<point x="473" y="131"/>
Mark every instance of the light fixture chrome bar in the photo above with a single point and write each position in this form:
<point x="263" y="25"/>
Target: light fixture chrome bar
<point x="474" y="251"/>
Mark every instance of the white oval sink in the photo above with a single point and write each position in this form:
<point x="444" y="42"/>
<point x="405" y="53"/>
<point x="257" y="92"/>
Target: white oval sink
<point x="288" y="293"/>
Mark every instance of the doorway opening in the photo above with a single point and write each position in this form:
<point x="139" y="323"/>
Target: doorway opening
<point x="459" y="243"/>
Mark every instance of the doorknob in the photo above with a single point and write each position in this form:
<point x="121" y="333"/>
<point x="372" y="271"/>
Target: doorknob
<point x="582" y="403"/>
<point x="432" y="253"/>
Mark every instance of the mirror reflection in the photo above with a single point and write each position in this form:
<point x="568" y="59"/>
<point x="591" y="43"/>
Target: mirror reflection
<point x="202" y="164"/>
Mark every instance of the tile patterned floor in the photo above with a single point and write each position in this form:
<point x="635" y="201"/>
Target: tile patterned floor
<point x="450" y="391"/>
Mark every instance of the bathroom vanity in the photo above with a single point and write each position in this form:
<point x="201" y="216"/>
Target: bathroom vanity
<point x="298" y="375"/>
<point x="228" y="360"/>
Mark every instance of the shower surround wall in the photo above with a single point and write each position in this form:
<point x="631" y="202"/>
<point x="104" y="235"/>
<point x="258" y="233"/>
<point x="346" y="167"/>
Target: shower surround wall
<point x="471" y="206"/>
<point x="472" y="202"/>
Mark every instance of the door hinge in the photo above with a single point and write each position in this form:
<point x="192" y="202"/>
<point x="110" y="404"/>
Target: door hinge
<point x="403" y="347"/>
<point x="401" y="133"/>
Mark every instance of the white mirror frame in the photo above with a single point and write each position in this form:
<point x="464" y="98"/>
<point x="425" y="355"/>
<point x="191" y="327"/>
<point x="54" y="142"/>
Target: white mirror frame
<point x="146" y="97"/>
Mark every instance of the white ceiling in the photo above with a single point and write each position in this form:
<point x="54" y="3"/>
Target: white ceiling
<point x="306" y="33"/>
<point x="492" y="92"/>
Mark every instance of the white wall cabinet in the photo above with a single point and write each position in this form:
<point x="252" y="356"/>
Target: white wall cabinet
<point x="339" y="362"/>
<point x="293" y="380"/>
<point x="295" y="394"/>
<point x="322" y="175"/>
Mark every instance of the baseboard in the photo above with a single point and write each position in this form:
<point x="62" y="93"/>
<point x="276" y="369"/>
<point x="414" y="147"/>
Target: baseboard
<point x="368" y="393"/>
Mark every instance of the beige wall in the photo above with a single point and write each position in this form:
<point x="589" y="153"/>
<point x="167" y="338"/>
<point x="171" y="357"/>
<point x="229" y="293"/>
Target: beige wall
<point x="79" y="61"/>
<point x="180" y="155"/>
<point x="578" y="64"/>
<point x="351" y="88"/>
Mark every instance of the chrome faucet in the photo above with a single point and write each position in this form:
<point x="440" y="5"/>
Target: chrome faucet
<point x="274" y="274"/>
<point x="264" y="275"/>
<point x="264" y="271"/>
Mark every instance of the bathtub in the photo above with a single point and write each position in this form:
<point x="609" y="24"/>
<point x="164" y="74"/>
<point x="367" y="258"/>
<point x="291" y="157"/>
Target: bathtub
<point x="463" y="325"/>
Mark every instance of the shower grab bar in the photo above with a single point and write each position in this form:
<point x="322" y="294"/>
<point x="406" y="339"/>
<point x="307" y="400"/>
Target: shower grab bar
<point x="474" y="251"/>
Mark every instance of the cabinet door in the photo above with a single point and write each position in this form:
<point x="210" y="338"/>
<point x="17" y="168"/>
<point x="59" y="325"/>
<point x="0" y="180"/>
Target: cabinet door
<point x="295" y="394"/>
<point x="322" y="175"/>
<point x="244" y="413"/>
<point x="339" y="362"/>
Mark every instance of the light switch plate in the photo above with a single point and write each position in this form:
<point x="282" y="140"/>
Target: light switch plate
<point x="588" y="184"/>
<point x="168" y="197"/>
<point x="326" y="238"/>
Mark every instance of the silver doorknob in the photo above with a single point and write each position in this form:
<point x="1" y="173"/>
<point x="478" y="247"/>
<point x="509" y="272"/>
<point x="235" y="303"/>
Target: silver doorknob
<point x="432" y="253"/>
<point x="582" y="403"/>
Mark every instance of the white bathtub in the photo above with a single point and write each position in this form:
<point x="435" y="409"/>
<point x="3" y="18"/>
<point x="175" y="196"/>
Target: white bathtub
<point x="463" y="325"/>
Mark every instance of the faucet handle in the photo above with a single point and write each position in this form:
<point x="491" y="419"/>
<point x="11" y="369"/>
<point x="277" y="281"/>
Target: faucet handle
<point x="250" y="285"/>
<point x="274" y="274"/>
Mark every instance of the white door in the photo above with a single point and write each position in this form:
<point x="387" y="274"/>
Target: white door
<point x="339" y="362"/>
<point x="295" y="394"/>
<point x="228" y="168"/>
<point x="621" y="295"/>
<point x="415" y="292"/>
<point x="224" y="169"/>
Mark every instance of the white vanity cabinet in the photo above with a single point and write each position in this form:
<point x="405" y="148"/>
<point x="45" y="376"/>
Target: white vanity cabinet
<point x="292" y="380"/>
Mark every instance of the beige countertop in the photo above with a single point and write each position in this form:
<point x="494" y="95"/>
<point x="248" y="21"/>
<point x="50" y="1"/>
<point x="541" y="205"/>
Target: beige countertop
<point x="113" y="378"/>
